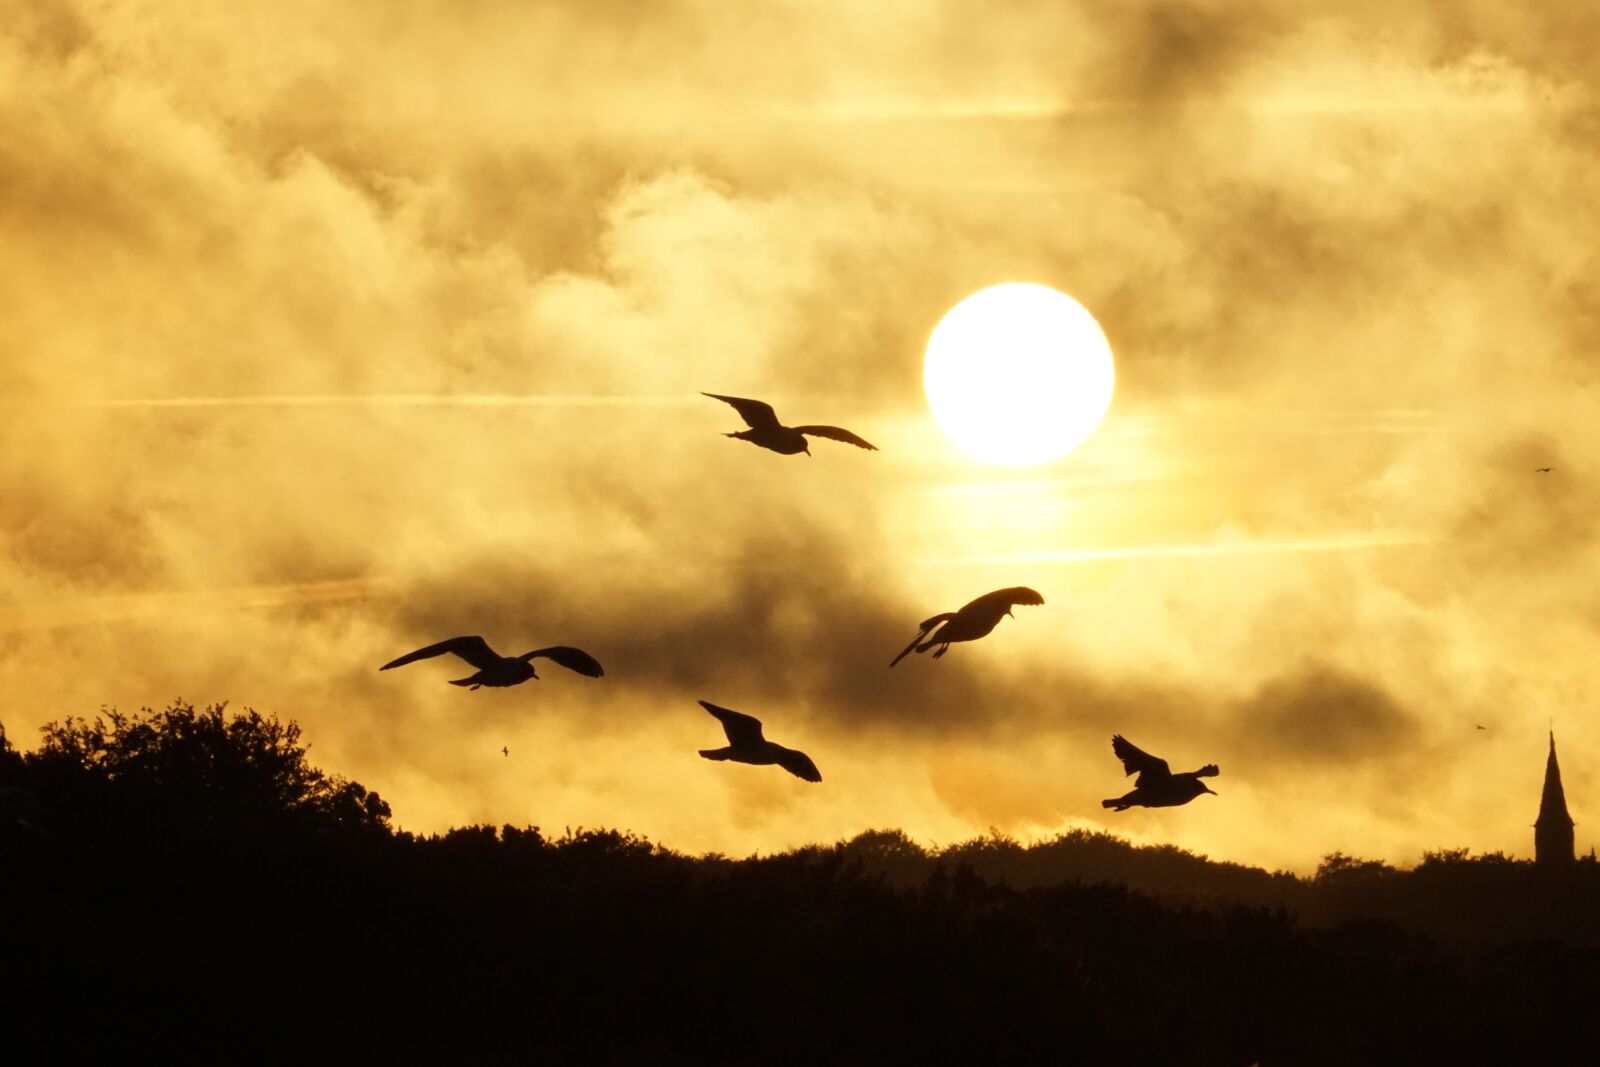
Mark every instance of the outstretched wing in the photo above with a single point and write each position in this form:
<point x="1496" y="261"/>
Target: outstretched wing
<point x="799" y="764"/>
<point x="757" y="413"/>
<point x="475" y="650"/>
<point x="927" y="624"/>
<point x="1137" y="761"/>
<point x="837" y="433"/>
<point x="573" y="659"/>
<point x="1001" y="599"/>
<point x="741" y="729"/>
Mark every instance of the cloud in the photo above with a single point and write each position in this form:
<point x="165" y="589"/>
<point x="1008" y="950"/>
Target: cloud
<point x="1322" y="719"/>
<point x="336" y="330"/>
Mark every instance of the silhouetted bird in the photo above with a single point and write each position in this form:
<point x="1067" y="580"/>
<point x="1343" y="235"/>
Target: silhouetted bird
<point x="973" y="621"/>
<point x="1156" y="786"/>
<point x="746" y="745"/>
<point x="1482" y="727"/>
<point x="505" y="750"/>
<point x="1543" y="470"/>
<point x="765" y="429"/>
<point x="497" y="670"/>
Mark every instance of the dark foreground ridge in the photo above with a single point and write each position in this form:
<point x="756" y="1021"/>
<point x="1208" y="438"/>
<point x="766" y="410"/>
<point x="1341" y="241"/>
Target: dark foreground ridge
<point x="183" y="886"/>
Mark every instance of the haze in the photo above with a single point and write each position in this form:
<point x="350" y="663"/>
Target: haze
<point x="332" y="330"/>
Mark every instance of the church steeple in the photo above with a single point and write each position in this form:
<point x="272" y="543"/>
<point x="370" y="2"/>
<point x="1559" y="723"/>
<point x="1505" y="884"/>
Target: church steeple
<point x="1552" y="831"/>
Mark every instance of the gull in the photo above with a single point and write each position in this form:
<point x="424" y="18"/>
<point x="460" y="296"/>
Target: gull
<point x="765" y="429"/>
<point x="505" y="750"/>
<point x="746" y="745"/>
<point x="1543" y="470"/>
<point x="973" y="621"/>
<point x="495" y="670"/>
<point x="1156" y="786"/>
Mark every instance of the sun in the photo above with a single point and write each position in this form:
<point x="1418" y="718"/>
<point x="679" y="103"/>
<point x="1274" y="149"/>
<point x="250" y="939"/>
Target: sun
<point x="1018" y="374"/>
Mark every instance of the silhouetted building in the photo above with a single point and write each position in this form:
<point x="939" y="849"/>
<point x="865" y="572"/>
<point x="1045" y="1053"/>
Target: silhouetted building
<point x="1552" y="831"/>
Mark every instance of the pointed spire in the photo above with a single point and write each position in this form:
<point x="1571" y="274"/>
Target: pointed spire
<point x="1552" y="831"/>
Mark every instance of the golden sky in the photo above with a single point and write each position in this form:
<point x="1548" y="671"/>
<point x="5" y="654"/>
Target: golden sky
<point x="329" y="330"/>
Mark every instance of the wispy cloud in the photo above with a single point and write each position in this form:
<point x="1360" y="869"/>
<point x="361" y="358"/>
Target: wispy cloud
<point x="401" y="400"/>
<point x="130" y="607"/>
<point x="1220" y="417"/>
<point x="269" y="277"/>
<point x="1346" y="542"/>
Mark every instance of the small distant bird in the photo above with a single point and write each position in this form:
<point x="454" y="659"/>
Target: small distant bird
<point x="1543" y="470"/>
<point x="746" y="745"/>
<point x="505" y="750"/>
<point x="1156" y="786"/>
<point x="765" y="429"/>
<point x="973" y="621"/>
<point x="495" y="670"/>
<point x="1482" y="727"/>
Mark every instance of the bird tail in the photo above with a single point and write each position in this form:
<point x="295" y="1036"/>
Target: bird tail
<point x="927" y="625"/>
<point x="906" y="651"/>
<point x="461" y="681"/>
<point x="1208" y="771"/>
<point x="715" y="753"/>
<point x="1115" y="804"/>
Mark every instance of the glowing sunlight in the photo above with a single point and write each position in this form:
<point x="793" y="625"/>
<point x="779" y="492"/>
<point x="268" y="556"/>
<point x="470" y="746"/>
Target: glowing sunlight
<point x="1018" y="374"/>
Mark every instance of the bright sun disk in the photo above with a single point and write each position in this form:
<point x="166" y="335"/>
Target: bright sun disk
<point x="1018" y="374"/>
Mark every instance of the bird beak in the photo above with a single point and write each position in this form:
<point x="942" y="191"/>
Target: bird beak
<point x="1208" y="789"/>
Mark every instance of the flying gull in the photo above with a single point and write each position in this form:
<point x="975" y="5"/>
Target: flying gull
<point x="496" y="670"/>
<point x="765" y="429"/>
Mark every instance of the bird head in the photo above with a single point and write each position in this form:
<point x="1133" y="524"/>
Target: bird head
<point x="1206" y="789"/>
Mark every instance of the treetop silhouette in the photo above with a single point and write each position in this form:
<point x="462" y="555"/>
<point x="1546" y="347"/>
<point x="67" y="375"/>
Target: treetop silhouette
<point x="184" y="768"/>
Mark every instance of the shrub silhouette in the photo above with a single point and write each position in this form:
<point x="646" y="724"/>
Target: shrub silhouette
<point x="185" y="771"/>
<point x="217" y="898"/>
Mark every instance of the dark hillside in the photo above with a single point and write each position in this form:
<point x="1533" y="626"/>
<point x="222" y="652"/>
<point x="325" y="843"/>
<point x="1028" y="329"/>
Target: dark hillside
<point x="183" y="886"/>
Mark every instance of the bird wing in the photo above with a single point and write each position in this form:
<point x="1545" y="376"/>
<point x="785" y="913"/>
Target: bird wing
<point x="742" y="729"/>
<point x="758" y="414"/>
<point x="1136" y="760"/>
<point x="474" y="649"/>
<point x="573" y="659"/>
<point x="927" y="624"/>
<point x="1003" y="598"/>
<point x="837" y="433"/>
<point x="799" y="764"/>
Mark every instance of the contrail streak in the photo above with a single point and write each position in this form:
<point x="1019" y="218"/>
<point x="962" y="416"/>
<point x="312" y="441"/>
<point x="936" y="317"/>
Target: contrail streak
<point x="1340" y="543"/>
<point x="1052" y="485"/>
<point x="415" y="400"/>
<point x="1292" y="421"/>
<point x="125" y="607"/>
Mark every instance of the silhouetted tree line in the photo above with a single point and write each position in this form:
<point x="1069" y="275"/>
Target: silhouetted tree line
<point x="183" y="886"/>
